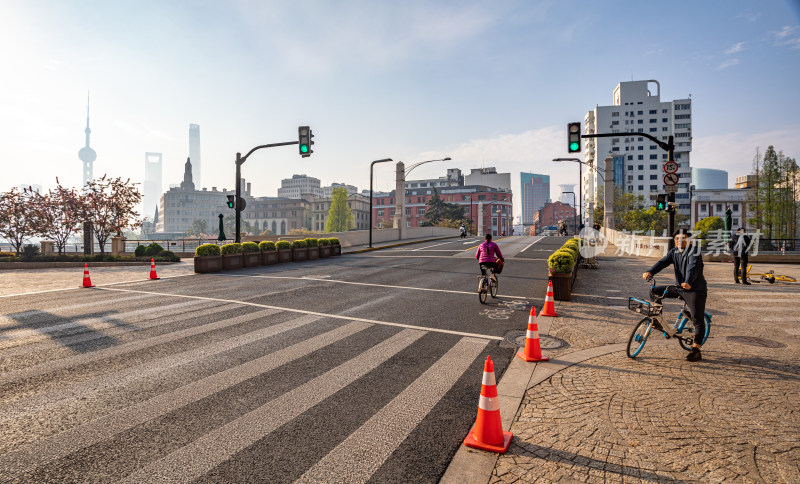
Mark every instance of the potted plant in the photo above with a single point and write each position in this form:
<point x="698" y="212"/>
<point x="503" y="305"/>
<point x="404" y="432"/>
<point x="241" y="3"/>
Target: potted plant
<point x="299" y="250"/>
<point x="284" y="251"/>
<point x="251" y="255"/>
<point x="313" y="248"/>
<point x="207" y="258"/>
<point x="231" y="256"/>
<point x="269" y="253"/>
<point x="336" y="247"/>
<point x="324" y="248"/>
<point x="561" y="264"/>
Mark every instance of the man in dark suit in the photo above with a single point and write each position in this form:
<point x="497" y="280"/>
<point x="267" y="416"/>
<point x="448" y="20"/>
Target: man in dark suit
<point x="739" y="244"/>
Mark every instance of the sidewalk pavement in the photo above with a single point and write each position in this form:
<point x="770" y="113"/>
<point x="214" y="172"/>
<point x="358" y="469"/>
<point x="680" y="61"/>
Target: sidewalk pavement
<point x="354" y="249"/>
<point x="591" y="414"/>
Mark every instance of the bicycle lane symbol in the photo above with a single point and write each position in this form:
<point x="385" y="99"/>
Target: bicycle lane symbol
<point x="505" y="310"/>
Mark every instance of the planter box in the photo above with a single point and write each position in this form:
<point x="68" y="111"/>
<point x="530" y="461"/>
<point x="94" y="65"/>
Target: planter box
<point x="269" y="257"/>
<point x="336" y="250"/>
<point x="285" y="255"/>
<point x="252" y="259"/>
<point x="562" y="285"/>
<point x="313" y="253"/>
<point x="208" y="263"/>
<point x="324" y="251"/>
<point x="299" y="254"/>
<point x="232" y="261"/>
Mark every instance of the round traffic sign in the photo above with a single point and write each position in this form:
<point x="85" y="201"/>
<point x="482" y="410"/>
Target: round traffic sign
<point x="670" y="167"/>
<point x="671" y="179"/>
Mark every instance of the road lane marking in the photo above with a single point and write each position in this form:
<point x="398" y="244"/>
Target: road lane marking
<point x="524" y="259"/>
<point x="49" y="366"/>
<point x="131" y="374"/>
<point x="435" y="245"/>
<point x="98" y="285"/>
<point x="13" y="318"/>
<point x="362" y="453"/>
<point x="493" y="240"/>
<point x="310" y="278"/>
<point x="326" y="315"/>
<point x="212" y="449"/>
<point x="529" y="245"/>
<point x="54" y="447"/>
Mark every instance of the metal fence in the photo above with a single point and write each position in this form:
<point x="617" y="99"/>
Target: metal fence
<point x="181" y="245"/>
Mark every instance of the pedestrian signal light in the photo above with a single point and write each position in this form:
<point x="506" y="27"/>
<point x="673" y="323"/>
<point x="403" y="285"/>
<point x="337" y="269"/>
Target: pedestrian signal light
<point x="231" y="201"/>
<point x="304" y="136"/>
<point x="574" y="137"/>
<point x="661" y="202"/>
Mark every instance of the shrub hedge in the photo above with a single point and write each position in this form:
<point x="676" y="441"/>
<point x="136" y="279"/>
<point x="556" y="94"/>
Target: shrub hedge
<point x="231" y="249"/>
<point x="334" y="241"/>
<point x="207" y="249"/>
<point x="153" y="250"/>
<point x="564" y="259"/>
<point x="266" y="245"/>
<point x="310" y="242"/>
<point x="299" y="244"/>
<point x="283" y="244"/>
<point x="324" y="242"/>
<point x="248" y="247"/>
<point x="140" y="251"/>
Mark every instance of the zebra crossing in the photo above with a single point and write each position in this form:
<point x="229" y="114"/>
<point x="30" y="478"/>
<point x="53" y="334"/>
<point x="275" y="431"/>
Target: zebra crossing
<point x="224" y="391"/>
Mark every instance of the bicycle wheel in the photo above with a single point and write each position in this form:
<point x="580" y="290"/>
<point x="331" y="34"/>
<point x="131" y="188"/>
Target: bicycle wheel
<point x="686" y="343"/>
<point x="639" y="337"/>
<point x="493" y="287"/>
<point x="482" y="291"/>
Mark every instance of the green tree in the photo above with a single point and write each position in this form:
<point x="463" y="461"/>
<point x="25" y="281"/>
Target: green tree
<point x="440" y="213"/>
<point x="706" y="225"/>
<point x="774" y="199"/>
<point x="340" y="217"/>
<point x="229" y="226"/>
<point x="199" y="228"/>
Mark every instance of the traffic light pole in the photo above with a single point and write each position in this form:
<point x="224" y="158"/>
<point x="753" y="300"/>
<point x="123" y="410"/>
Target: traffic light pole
<point x="239" y="162"/>
<point x="669" y="147"/>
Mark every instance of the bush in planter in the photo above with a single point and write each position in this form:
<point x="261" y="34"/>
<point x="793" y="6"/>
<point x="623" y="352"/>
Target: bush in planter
<point x="324" y="242"/>
<point x="249" y="247"/>
<point x="334" y="241"/>
<point x="561" y="261"/>
<point x="299" y="244"/>
<point x="153" y="250"/>
<point x="207" y="249"/>
<point x="571" y="249"/>
<point x="312" y="242"/>
<point x="267" y="245"/>
<point x="140" y="251"/>
<point x="29" y="251"/>
<point x="231" y="249"/>
<point x="168" y="256"/>
<point x="283" y="244"/>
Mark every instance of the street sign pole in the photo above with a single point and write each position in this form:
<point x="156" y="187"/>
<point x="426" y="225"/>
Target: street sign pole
<point x="671" y="195"/>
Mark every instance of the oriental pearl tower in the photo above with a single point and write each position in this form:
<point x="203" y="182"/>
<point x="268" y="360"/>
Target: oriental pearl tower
<point x="87" y="154"/>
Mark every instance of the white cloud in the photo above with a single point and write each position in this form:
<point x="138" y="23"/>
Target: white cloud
<point x="784" y="32"/>
<point x="737" y="47"/>
<point x="787" y="36"/>
<point x="727" y="63"/>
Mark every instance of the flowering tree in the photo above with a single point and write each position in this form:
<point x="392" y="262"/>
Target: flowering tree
<point x="110" y="206"/>
<point x="16" y="217"/>
<point x="58" y="215"/>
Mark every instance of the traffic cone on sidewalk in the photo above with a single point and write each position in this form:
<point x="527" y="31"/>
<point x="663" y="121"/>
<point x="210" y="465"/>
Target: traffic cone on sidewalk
<point x="533" y="350"/>
<point x="87" y="281"/>
<point x="488" y="434"/>
<point x="153" y="274"/>
<point x="549" y="308"/>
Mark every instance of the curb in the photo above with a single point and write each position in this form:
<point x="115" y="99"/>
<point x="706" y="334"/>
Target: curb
<point x="59" y="265"/>
<point x="397" y="245"/>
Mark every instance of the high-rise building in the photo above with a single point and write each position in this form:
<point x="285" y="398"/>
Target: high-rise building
<point x="535" y="194"/>
<point x="300" y="186"/>
<point x="86" y="154"/>
<point x="194" y="152"/>
<point x="489" y="177"/>
<point x="152" y="184"/>
<point x="709" y="179"/>
<point x="327" y="192"/>
<point x="637" y="109"/>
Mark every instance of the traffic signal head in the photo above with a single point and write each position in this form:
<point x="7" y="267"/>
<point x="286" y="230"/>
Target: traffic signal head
<point x="574" y="137"/>
<point x="661" y="202"/>
<point x="304" y="136"/>
<point x="231" y="201"/>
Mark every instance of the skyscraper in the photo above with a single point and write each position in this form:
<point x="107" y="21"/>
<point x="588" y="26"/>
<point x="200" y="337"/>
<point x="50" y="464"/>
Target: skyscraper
<point x="87" y="154"/>
<point x="194" y="152"/>
<point x="637" y="108"/>
<point x="152" y="184"/>
<point x="535" y="194"/>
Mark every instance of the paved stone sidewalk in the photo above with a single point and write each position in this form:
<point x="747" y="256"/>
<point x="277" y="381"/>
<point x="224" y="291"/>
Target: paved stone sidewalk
<point x="734" y="417"/>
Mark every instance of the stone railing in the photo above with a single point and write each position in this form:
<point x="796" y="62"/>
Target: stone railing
<point x="637" y="244"/>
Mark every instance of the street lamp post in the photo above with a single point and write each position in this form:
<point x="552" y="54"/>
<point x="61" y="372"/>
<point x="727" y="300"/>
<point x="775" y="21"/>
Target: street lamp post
<point x="580" y="182"/>
<point x="370" y="195"/>
<point x="398" y="196"/>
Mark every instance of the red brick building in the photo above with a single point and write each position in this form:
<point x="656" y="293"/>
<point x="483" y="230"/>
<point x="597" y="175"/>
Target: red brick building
<point x="551" y="213"/>
<point x="495" y="203"/>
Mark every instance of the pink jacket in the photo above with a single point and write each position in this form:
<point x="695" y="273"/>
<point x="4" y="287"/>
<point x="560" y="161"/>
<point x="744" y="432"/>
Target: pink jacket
<point x="487" y="252"/>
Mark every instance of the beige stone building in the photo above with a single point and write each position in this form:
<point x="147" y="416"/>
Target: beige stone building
<point x="359" y="207"/>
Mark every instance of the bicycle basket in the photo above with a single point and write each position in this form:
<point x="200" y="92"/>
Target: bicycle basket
<point x="499" y="267"/>
<point x="644" y="307"/>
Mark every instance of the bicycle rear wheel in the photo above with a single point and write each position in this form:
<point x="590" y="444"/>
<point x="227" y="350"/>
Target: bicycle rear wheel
<point x="493" y="287"/>
<point x="482" y="291"/>
<point x="639" y="337"/>
<point x="686" y="343"/>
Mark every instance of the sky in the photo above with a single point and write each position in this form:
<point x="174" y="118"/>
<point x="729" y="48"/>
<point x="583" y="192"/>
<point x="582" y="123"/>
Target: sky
<point x="486" y="83"/>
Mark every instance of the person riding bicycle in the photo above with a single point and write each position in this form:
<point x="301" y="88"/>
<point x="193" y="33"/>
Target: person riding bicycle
<point x="692" y="288"/>
<point x="488" y="253"/>
<point x="463" y="230"/>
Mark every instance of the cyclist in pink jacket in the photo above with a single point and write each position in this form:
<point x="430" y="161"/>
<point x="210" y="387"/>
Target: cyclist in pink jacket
<point x="487" y="254"/>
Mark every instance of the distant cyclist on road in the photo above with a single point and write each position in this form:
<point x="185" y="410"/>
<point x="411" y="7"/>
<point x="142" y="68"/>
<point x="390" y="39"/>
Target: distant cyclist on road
<point x="488" y="253"/>
<point x="463" y="231"/>
<point x="692" y="288"/>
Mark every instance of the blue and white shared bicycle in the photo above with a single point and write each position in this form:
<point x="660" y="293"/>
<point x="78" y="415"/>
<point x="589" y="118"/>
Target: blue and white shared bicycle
<point x="682" y="330"/>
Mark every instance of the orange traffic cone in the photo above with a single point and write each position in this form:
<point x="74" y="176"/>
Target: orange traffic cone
<point x="533" y="351"/>
<point x="153" y="274"/>
<point x="549" y="308"/>
<point x="87" y="281"/>
<point x="488" y="434"/>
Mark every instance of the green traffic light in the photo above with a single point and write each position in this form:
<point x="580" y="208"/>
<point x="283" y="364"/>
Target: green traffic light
<point x="574" y="146"/>
<point x="303" y="148"/>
